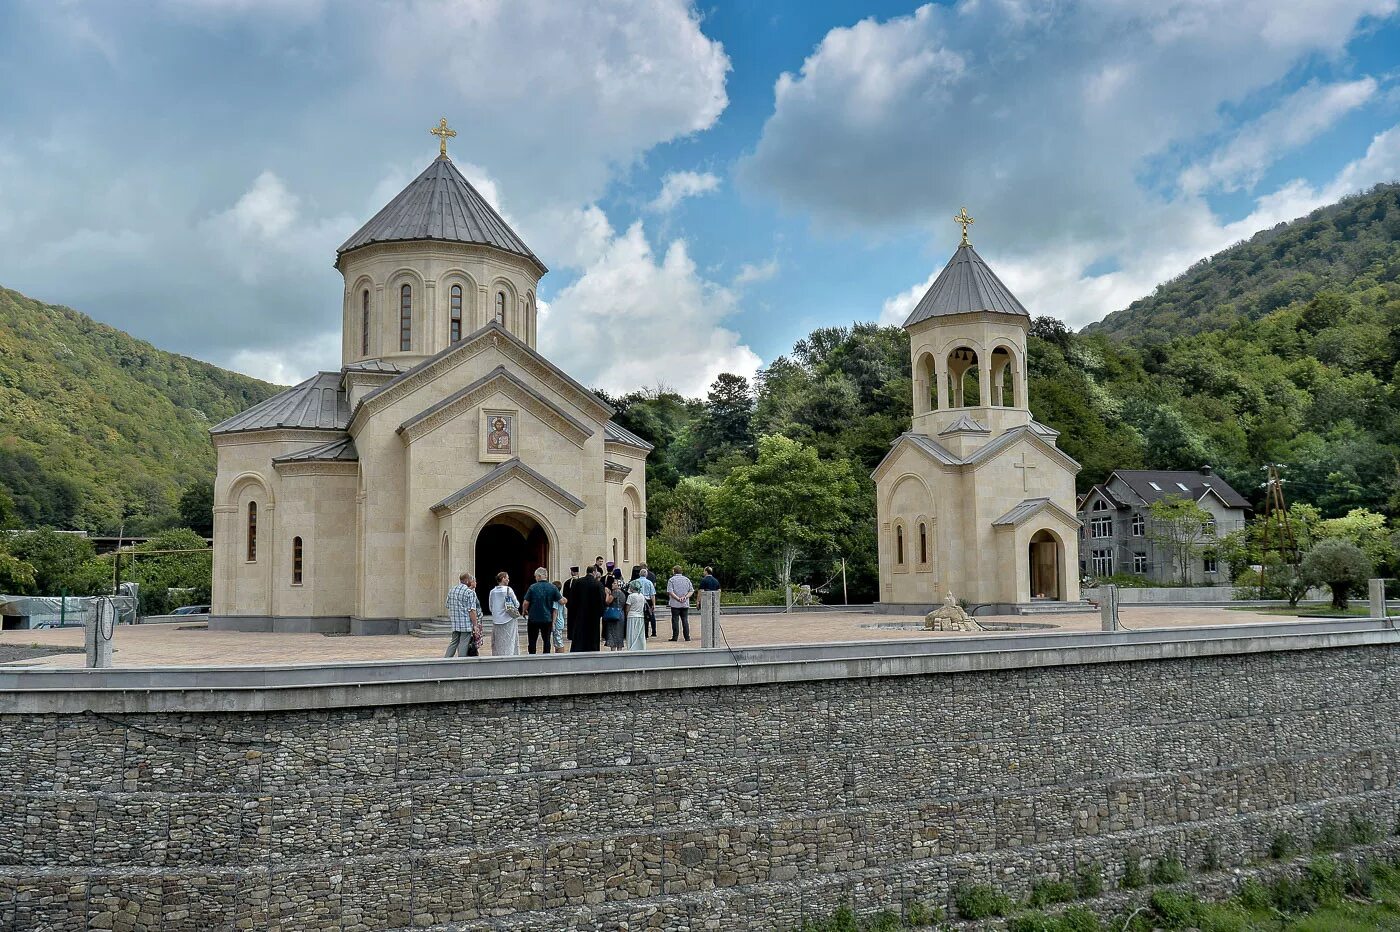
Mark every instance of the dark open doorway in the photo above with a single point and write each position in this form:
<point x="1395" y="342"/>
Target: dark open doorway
<point x="1046" y="566"/>
<point x="512" y="542"/>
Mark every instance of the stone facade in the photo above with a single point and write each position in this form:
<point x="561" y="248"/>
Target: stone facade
<point x="445" y="443"/>
<point x="713" y="808"/>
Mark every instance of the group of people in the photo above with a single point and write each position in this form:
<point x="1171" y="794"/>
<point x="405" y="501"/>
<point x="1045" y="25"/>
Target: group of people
<point x="589" y="611"/>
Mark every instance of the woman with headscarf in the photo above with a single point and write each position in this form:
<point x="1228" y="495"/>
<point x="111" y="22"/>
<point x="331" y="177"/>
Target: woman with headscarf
<point x="636" y="616"/>
<point x="614" y="622"/>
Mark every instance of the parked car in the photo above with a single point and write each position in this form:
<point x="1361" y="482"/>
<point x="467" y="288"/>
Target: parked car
<point x="191" y="610"/>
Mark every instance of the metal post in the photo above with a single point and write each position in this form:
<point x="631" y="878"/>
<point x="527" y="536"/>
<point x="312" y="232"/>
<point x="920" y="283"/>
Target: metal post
<point x="709" y="618"/>
<point x="1108" y="606"/>
<point x="1377" y="593"/>
<point x="845" y="596"/>
<point x="98" y="630"/>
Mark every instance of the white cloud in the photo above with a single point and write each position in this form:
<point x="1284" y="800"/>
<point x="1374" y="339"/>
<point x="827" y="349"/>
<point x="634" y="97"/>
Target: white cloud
<point x="634" y="319"/>
<point x="1299" y="119"/>
<point x="677" y="186"/>
<point x="288" y="365"/>
<point x="750" y="273"/>
<point x="267" y="209"/>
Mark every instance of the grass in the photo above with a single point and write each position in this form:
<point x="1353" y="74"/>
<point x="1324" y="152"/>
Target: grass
<point x="1306" y="611"/>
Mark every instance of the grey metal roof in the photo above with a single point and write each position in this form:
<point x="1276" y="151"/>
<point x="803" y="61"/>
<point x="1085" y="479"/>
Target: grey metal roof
<point x="1169" y="482"/>
<point x="966" y="285"/>
<point x="1044" y="431"/>
<point x="1030" y="507"/>
<point x="513" y="465"/>
<point x="316" y="404"/>
<point x="374" y="365"/>
<point x="340" y="450"/>
<point x="964" y="423"/>
<point x="620" y="434"/>
<point x="442" y="205"/>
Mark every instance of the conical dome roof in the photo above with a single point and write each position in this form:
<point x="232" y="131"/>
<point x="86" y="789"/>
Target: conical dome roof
<point x="440" y="205"/>
<point x="966" y="285"/>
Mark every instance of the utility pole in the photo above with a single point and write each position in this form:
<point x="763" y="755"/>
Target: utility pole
<point x="1277" y="527"/>
<point x="845" y="597"/>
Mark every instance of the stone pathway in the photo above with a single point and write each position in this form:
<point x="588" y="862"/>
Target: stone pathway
<point x="161" y="645"/>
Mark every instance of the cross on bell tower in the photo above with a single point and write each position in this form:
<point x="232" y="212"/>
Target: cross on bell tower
<point x="443" y="134"/>
<point x="965" y="220"/>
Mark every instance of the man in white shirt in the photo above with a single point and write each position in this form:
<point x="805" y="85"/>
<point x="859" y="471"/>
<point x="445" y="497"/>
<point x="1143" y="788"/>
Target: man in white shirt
<point x="678" y="593"/>
<point x="505" y="618"/>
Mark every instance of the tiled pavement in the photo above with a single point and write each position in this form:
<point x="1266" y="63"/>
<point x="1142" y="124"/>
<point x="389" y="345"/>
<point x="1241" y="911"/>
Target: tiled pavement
<point x="157" y="645"/>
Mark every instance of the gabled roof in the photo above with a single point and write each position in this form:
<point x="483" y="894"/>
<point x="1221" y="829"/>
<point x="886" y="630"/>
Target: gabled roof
<point x="511" y="468"/>
<point x="966" y="285"/>
<point x="316" y="404"/>
<point x="941" y="455"/>
<point x="440" y="205"/>
<point x="503" y="380"/>
<point x="1030" y="508"/>
<point x="964" y="423"/>
<point x="1103" y="492"/>
<point x="374" y="365"/>
<point x="339" y="450"/>
<point x="1169" y="482"/>
<point x="1044" y="431"/>
<point x="619" y="434"/>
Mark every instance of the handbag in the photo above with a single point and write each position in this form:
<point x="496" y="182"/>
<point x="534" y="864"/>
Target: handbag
<point x="471" y="648"/>
<point x="612" y="613"/>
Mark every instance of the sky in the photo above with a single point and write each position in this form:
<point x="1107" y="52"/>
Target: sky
<point x="707" y="183"/>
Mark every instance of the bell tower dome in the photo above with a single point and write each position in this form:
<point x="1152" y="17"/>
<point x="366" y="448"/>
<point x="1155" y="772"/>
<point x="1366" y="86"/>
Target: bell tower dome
<point x="434" y="265"/>
<point x="967" y="342"/>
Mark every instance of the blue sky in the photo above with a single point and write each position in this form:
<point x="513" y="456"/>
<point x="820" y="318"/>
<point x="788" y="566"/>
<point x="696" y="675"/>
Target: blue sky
<point x="711" y="181"/>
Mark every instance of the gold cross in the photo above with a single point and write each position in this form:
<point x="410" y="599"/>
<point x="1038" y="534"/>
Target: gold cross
<point x="443" y="134"/>
<point x="962" y="218"/>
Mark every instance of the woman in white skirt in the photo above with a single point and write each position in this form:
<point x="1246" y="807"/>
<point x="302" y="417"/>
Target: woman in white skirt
<point x="636" y="617"/>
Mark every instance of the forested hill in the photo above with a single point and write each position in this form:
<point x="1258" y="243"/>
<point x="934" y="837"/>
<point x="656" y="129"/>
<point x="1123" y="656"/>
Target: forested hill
<point x="93" y="420"/>
<point x="1351" y="247"/>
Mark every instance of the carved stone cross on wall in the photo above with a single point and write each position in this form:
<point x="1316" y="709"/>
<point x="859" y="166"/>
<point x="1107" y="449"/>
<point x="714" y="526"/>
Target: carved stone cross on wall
<point x="1025" y="472"/>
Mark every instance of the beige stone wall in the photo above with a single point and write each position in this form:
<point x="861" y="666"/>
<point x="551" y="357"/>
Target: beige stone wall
<point x="931" y="342"/>
<point x="318" y="505"/>
<point x="431" y="269"/>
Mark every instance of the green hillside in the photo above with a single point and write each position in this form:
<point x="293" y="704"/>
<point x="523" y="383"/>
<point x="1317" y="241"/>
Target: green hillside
<point x="1351" y="247"/>
<point x="93" y="421"/>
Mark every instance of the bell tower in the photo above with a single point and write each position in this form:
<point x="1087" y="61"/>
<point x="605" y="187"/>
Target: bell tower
<point x="967" y="342"/>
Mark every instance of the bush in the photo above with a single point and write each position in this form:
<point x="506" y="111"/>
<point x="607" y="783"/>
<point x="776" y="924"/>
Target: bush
<point x="1331" y="837"/>
<point x="1325" y="881"/>
<point x="1292" y="895"/>
<point x="1077" y="919"/>
<point x="886" y="920"/>
<point x="1254" y="895"/>
<point x="979" y="901"/>
<point x="1361" y="831"/>
<point x="919" y="914"/>
<point x="1283" y="847"/>
<point x="1047" y="892"/>
<point x="1210" y="858"/>
<point x="1168" y="870"/>
<point x="1088" y="882"/>
<point x="1133" y="877"/>
<point x="1176" y="910"/>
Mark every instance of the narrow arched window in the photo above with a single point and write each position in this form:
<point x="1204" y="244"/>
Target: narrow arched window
<point x="252" y="531"/>
<point x="405" y="318"/>
<point x="625" y="521"/>
<point x="296" y="561"/>
<point x="455" y="327"/>
<point x="501" y="308"/>
<point x="899" y="545"/>
<point x="923" y="543"/>
<point x="364" y="323"/>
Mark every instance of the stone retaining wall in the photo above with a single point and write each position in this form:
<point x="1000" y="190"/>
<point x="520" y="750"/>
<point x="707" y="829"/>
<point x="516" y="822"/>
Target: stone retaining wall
<point x="733" y="807"/>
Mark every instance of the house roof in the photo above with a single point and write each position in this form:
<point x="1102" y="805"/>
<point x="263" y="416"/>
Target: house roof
<point x="1103" y="491"/>
<point x="1153" y="484"/>
<point x="340" y="450"/>
<point x="440" y="204"/>
<point x="316" y="404"/>
<point x="619" y="434"/>
<point x="966" y="285"/>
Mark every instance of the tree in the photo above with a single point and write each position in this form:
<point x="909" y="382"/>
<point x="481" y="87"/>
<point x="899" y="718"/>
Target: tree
<point x="1366" y="529"/>
<point x="57" y="560"/>
<point x="727" y="422"/>
<point x="1180" y="525"/>
<point x="16" y="576"/>
<point x="8" y="515"/>
<point x="790" y="502"/>
<point x="197" y="507"/>
<point x="1338" y="564"/>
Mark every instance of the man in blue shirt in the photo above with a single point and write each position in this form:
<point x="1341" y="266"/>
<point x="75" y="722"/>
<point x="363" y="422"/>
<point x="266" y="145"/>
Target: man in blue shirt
<point x="538" y="608"/>
<point x="648" y="589"/>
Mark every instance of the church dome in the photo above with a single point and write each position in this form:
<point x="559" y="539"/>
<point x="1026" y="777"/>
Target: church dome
<point x="440" y="205"/>
<point x="967" y="285"/>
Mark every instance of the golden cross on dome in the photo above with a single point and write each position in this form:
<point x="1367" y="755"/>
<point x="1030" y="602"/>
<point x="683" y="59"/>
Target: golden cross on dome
<point x="962" y="218"/>
<point x="443" y="134"/>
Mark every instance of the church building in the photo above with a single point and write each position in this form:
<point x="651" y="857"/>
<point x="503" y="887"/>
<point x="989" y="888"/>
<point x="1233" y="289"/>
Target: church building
<point x="445" y="442"/>
<point x="975" y="498"/>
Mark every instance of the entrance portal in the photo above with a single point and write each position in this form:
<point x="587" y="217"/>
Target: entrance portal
<point x="1045" y="566"/>
<point x="512" y="542"/>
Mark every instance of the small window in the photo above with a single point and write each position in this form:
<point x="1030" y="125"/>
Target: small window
<point x="1139" y="563"/>
<point x="455" y="327"/>
<point x="364" y="323"/>
<point x="252" y="532"/>
<point x="923" y="543"/>
<point x="1102" y="563"/>
<point x="1182" y="487"/>
<point x="1139" y="525"/>
<point x="899" y="546"/>
<point x="1208" y="562"/>
<point x="501" y="308"/>
<point x="626" y="537"/>
<point x="296" y="561"/>
<point x="405" y="319"/>
<point x="1101" y="527"/>
<point x="1101" y="505"/>
<point x="1209" y="527"/>
<point x="1155" y="486"/>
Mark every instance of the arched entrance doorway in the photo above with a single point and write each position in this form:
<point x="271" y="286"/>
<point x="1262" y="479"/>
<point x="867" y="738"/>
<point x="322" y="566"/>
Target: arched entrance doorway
<point x="1046" y="567"/>
<point x="513" y="542"/>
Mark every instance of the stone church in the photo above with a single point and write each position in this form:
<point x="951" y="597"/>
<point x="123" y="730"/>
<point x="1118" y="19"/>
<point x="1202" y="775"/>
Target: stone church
<point x="445" y="442"/>
<point x="975" y="498"/>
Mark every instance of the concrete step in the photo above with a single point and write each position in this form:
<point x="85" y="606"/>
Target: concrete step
<point x="1053" y="608"/>
<point x="431" y="633"/>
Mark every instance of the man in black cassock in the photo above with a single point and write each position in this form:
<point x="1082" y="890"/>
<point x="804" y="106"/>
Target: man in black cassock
<point x="586" y="613"/>
<point x="568" y="590"/>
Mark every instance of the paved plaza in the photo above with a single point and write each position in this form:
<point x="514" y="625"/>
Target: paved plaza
<point x="193" y="645"/>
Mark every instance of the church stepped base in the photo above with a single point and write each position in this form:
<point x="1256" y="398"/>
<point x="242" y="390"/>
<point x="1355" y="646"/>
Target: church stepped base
<point x="1054" y="608"/>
